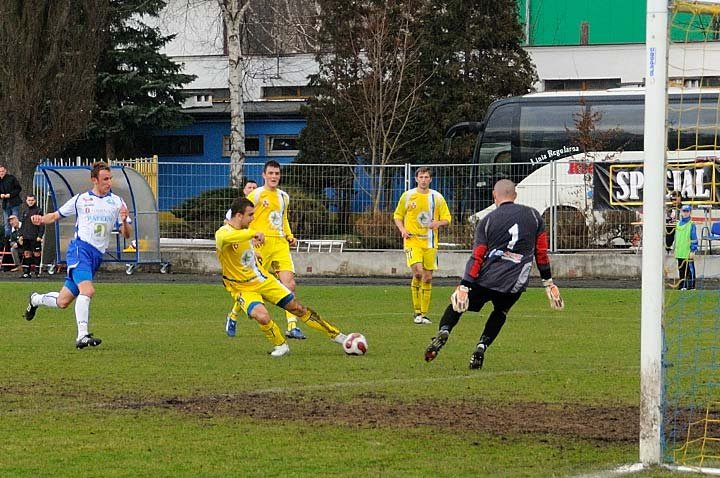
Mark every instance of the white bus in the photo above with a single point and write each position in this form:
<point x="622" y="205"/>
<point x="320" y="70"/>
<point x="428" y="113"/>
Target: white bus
<point x="522" y="138"/>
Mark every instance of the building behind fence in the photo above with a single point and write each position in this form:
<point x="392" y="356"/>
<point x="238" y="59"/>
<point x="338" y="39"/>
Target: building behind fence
<point x="354" y="204"/>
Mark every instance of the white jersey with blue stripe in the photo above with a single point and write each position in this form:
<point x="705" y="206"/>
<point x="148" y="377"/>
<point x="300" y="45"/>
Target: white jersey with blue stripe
<point x="97" y="217"/>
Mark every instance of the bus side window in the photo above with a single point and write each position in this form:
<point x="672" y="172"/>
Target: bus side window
<point x="691" y="125"/>
<point x="544" y="129"/>
<point x="498" y="133"/>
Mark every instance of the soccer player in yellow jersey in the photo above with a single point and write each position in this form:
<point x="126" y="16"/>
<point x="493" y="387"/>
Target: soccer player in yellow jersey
<point x="419" y="214"/>
<point x="231" y="319"/>
<point x="250" y="284"/>
<point x="271" y="218"/>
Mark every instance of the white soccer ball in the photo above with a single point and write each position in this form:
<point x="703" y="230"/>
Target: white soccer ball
<point x="355" y="344"/>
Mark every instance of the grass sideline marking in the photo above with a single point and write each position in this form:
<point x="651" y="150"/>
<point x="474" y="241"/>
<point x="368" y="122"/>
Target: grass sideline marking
<point x="619" y="471"/>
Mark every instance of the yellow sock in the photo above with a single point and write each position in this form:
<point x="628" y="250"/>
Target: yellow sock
<point x="272" y="332"/>
<point x="415" y="294"/>
<point x="425" y="294"/>
<point x="235" y="310"/>
<point x="314" y="321"/>
<point x="291" y="320"/>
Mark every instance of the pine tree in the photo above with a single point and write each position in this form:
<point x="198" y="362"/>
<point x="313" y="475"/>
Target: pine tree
<point x="473" y="56"/>
<point x="138" y="88"/>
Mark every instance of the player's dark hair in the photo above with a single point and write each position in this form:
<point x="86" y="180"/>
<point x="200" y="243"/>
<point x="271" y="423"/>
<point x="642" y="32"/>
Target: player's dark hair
<point x="240" y="205"/>
<point x="250" y="181"/>
<point x="272" y="163"/>
<point x="97" y="167"/>
<point x="422" y="170"/>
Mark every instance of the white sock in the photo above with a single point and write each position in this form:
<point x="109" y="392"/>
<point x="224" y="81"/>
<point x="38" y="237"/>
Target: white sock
<point x="82" y="315"/>
<point x="48" y="300"/>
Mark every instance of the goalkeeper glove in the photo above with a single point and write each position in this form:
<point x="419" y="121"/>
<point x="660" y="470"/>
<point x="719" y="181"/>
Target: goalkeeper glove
<point x="553" y="293"/>
<point x="459" y="299"/>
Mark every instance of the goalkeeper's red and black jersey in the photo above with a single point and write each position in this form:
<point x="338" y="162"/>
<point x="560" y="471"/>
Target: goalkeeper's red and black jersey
<point x="506" y="241"/>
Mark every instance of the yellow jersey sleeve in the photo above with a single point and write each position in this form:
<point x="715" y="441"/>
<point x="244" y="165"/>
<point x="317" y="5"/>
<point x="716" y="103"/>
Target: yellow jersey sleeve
<point x="443" y="212"/>
<point x="400" y="208"/>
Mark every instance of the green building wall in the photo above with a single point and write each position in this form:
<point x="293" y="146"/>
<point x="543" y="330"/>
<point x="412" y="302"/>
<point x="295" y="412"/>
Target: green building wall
<point x="560" y="22"/>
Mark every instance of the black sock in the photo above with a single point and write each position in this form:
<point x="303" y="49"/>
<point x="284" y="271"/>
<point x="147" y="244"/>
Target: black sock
<point x="492" y="327"/>
<point x="449" y="319"/>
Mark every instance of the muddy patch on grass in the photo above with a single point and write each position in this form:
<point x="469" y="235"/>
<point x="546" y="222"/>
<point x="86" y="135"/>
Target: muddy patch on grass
<point x="601" y="423"/>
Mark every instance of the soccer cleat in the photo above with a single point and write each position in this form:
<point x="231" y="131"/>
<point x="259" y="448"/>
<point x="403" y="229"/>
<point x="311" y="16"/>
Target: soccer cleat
<point x="295" y="333"/>
<point x="280" y="350"/>
<point x="230" y="326"/>
<point x="422" y="320"/>
<point x="340" y="338"/>
<point x="30" y="309"/>
<point x="436" y="344"/>
<point x="478" y="357"/>
<point x="87" y="341"/>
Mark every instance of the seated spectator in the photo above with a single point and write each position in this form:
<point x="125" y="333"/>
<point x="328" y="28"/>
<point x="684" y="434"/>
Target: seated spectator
<point x="14" y="224"/>
<point x="31" y="237"/>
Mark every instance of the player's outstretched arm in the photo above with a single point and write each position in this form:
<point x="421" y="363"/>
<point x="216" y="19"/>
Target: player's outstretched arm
<point x="48" y="218"/>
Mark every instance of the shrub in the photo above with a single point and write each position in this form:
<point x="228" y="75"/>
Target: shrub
<point x="203" y="214"/>
<point x="377" y="230"/>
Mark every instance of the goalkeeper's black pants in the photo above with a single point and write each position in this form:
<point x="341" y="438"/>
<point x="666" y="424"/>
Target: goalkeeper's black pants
<point x="478" y="297"/>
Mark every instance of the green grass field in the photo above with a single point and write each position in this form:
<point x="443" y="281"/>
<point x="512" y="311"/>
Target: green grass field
<point x="167" y="394"/>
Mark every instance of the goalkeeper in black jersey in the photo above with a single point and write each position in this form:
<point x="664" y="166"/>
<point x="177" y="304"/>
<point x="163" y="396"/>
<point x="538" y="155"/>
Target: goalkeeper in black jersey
<point x="498" y="271"/>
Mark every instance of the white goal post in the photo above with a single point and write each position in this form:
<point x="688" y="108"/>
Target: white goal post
<point x="652" y="298"/>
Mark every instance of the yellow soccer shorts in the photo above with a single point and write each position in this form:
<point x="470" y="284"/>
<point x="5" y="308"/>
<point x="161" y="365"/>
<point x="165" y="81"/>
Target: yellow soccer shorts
<point x="275" y="255"/>
<point x="249" y="295"/>
<point x="426" y="256"/>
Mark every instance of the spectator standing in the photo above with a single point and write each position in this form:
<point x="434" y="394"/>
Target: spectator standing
<point x="10" y="195"/>
<point x="31" y="237"/>
<point x="686" y="244"/>
<point x="672" y="214"/>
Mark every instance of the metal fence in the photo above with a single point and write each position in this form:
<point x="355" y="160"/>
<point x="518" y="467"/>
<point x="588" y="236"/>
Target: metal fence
<point x="354" y="204"/>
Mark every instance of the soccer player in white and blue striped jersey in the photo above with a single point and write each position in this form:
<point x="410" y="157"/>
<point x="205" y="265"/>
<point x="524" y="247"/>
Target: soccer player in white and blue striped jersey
<point x="98" y="212"/>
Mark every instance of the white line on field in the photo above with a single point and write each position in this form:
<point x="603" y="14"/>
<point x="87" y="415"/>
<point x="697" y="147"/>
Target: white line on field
<point x="398" y="381"/>
<point x="619" y="471"/>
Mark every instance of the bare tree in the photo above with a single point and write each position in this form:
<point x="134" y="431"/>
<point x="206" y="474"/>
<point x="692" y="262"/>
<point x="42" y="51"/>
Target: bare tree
<point x="48" y="53"/>
<point x="251" y="29"/>
<point x="233" y="12"/>
<point x="374" y="77"/>
<point x="279" y="27"/>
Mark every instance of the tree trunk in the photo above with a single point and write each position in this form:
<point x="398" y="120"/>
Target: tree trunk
<point x="110" y="150"/>
<point x="22" y="163"/>
<point x="233" y="14"/>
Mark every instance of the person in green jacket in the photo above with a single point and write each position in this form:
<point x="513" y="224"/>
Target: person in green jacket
<point x="686" y="244"/>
